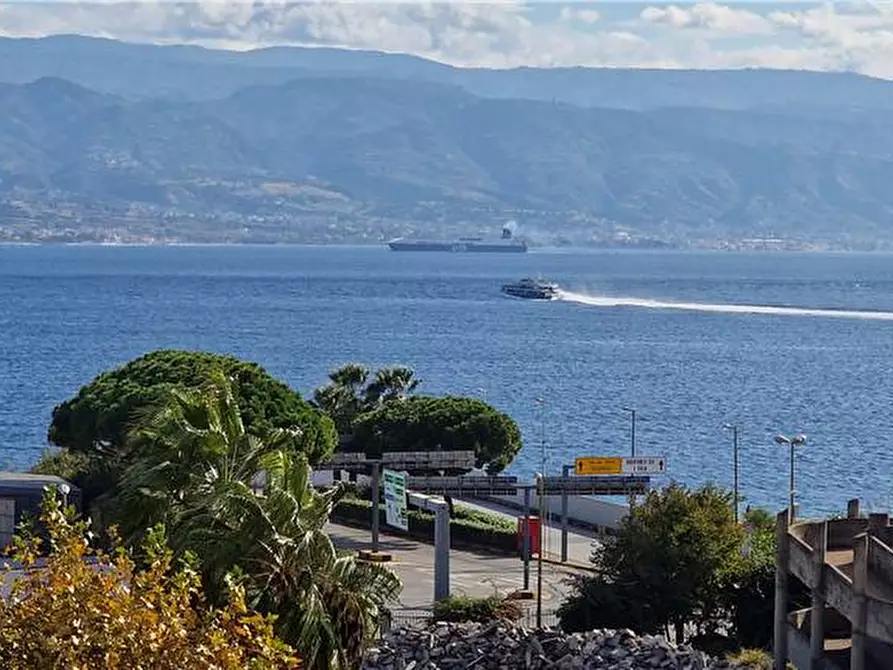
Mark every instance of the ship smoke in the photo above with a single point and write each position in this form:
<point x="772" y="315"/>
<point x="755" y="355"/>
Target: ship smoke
<point x="509" y="229"/>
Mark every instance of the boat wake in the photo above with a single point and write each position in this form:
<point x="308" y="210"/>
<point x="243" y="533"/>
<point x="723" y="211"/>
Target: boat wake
<point x="722" y="308"/>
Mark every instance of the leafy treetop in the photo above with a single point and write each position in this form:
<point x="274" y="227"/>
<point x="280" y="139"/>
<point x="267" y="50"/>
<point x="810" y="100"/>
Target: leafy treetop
<point x="667" y="565"/>
<point x="421" y="423"/>
<point x="102" y="414"/>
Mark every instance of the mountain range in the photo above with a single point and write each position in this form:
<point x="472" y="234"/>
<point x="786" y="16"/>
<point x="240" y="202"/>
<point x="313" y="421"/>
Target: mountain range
<point x="104" y="140"/>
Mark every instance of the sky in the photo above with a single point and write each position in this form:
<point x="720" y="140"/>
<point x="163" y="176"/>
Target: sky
<point x="851" y="36"/>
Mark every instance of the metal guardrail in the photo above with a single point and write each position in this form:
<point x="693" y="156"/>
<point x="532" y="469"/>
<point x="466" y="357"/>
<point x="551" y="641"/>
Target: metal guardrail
<point x="402" y="460"/>
<point x="496" y="485"/>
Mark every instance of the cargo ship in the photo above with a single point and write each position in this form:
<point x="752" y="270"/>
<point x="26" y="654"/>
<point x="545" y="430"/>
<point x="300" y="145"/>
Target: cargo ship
<point x="506" y="244"/>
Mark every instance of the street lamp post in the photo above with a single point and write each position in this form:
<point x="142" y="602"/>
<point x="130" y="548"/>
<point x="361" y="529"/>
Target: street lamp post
<point x="632" y="430"/>
<point x="734" y="429"/>
<point x="632" y="446"/>
<point x="791" y="442"/>
<point x="64" y="489"/>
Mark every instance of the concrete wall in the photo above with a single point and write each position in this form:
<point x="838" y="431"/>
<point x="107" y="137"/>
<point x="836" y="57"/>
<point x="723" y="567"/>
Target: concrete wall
<point x="879" y="653"/>
<point x="842" y="532"/>
<point x="880" y="560"/>
<point x="839" y="592"/>
<point x="798" y="647"/>
<point x="837" y="589"/>
<point x="585" y="511"/>
<point x="801" y="562"/>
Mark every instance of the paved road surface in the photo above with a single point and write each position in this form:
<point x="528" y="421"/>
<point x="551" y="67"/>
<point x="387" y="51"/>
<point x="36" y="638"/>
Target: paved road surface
<point x="579" y="542"/>
<point x="475" y="574"/>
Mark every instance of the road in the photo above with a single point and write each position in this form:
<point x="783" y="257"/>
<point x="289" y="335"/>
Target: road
<point x="579" y="542"/>
<point x="471" y="573"/>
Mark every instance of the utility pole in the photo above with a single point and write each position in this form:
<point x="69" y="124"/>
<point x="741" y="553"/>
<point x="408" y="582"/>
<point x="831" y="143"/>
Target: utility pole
<point x="541" y="403"/>
<point x="734" y="429"/>
<point x="565" y="472"/>
<point x="539" y="563"/>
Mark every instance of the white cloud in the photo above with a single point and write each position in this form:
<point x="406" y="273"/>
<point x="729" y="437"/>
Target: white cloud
<point x="709" y="16"/>
<point x="583" y="15"/>
<point x="489" y="34"/>
<point x="855" y="36"/>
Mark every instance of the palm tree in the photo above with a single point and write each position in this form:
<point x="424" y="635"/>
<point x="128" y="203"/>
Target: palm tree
<point x="327" y="604"/>
<point x="198" y="471"/>
<point x="184" y="446"/>
<point x="389" y="384"/>
<point x="342" y="397"/>
<point x="350" y="393"/>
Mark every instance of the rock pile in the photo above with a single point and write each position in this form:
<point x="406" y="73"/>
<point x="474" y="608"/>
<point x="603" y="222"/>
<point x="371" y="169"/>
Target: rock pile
<point x="502" y="646"/>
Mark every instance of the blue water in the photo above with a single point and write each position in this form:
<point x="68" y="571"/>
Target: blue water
<point x="68" y="313"/>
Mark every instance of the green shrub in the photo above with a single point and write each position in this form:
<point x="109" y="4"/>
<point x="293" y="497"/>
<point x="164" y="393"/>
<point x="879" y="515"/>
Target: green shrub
<point x="460" y="609"/>
<point x="469" y="516"/>
<point x="755" y="659"/>
<point x="752" y="659"/>
<point x="484" y="519"/>
<point x="62" y="463"/>
<point x="463" y="532"/>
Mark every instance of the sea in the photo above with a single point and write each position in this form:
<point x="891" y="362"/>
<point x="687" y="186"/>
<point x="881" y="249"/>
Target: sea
<point x="772" y="342"/>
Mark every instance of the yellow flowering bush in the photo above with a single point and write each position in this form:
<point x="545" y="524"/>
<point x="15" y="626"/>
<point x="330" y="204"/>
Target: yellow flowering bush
<point x="68" y="605"/>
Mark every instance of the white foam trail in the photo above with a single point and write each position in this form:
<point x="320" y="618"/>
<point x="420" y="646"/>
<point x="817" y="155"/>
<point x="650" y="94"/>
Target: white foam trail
<point x="605" y="301"/>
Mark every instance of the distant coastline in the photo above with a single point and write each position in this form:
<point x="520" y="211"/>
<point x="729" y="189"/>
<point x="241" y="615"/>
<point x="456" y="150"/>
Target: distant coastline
<point x="804" y="248"/>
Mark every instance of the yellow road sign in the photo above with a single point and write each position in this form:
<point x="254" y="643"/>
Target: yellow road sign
<point x="599" y="465"/>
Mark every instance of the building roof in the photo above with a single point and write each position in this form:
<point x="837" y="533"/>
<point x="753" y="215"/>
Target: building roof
<point x="21" y="481"/>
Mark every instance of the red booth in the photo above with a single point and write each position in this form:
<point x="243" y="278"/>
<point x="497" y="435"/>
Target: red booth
<point x="531" y="526"/>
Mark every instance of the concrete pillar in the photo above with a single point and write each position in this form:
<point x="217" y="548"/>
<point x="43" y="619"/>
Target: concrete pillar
<point x="376" y="502"/>
<point x="441" y="511"/>
<point x="565" y="472"/>
<point x="525" y="543"/>
<point x="852" y="509"/>
<point x="877" y="522"/>
<point x="817" y="611"/>
<point x="782" y="557"/>
<point x="442" y="552"/>
<point x="860" y="587"/>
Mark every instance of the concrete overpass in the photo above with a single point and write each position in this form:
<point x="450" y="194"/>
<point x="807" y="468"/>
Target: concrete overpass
<point x="847" y="566"/>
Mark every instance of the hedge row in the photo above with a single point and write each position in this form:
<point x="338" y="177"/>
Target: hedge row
<point x="468" y="528"/>
<point x="481" y="610"/>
